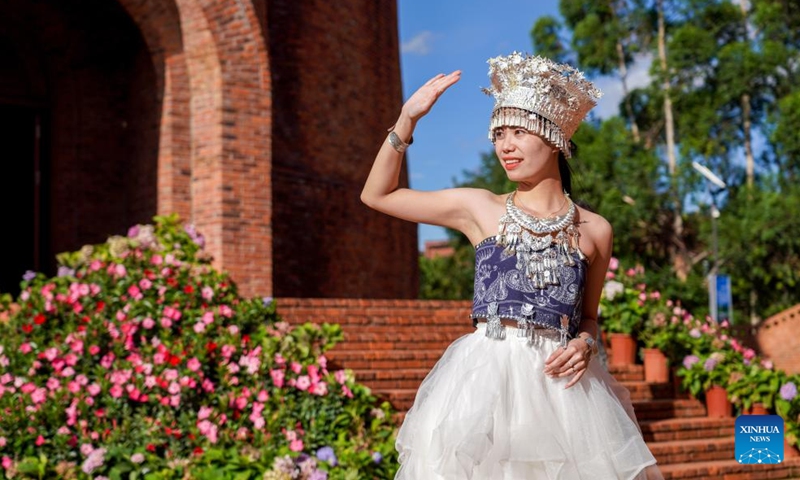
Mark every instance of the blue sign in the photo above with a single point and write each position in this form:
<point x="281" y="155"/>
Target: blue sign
<point x="759" y="439"/>
<point x="721" y="298"/>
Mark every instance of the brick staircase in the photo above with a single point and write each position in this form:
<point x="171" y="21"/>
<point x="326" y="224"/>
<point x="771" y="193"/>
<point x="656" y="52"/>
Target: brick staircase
<point x="391" y="345"/>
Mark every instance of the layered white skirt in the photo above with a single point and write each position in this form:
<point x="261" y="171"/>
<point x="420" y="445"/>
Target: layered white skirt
<point x="487" y="411"/>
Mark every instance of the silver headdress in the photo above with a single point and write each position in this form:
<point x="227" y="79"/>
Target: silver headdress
<point x="544" y="97"/>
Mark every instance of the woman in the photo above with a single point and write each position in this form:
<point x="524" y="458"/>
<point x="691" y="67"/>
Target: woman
<point x="523" y="397"/>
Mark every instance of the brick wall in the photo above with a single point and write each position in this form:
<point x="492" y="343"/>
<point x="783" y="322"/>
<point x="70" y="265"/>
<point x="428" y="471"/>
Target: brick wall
<point x="779" y="340"/>
<point x="95" y="91"/>
<point x="336" y="81"/>
<point x="255" y="120"/>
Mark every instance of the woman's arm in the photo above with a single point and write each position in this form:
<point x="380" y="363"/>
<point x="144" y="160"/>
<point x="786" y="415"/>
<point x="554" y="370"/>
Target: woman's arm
<point x="599" y="233"/>
<point x="449" y="207"/>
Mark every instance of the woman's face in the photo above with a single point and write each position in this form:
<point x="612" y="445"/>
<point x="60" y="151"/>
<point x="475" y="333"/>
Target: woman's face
<point x="524" y="155"/>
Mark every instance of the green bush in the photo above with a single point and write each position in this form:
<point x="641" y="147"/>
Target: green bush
<point x="140" y="360"/>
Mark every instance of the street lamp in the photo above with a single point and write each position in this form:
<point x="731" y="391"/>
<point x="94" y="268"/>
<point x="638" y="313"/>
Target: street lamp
<point x="711" y="177"/>
<point x="712" y="274"/>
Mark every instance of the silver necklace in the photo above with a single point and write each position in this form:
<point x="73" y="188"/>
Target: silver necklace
<point x="530" y="238"/>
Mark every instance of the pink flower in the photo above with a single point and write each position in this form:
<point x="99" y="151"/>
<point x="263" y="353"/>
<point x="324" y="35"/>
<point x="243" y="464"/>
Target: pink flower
<point x="39" y="441"/>
<point x="296" y="367"/>
<point x="323" y="362"/>
<point x="135" y="293"/>
<point x="74" y="387"/>
<point x="193" y="364"/>
<point x="347" y="392"/>
<point x="320" y="389"/>
<point x="156" y="260"/>
<point x="207" y="385"/>
<point x="148" y="323"/>
<point x="107" y="360"/>
<point x="3" y="442"/>
<point x="233" y="329"/>
<point x="39" y="395"/>
<point x="175" y="401"/>
<point x="93" y="389"/>
<point x="174" y="388"/>
<point x="145" y="284"/>
<point x="207" y="293"/>
<point x="263" y="396"/>
<point x="613" y="264"/>
<point x="610" y="275"/>
<point x="340" y="376"/>
<point x="199" y="327"/>
<point x="225" y="311"/>
<point x="7" y="462"/>
<point x="172" y="313"/>
<point x="296" y="445"/>
<point x="25" y="348"/>
<point x="208" y="318"/>
<point x="303" y="382"/>
<point x="53" y="383"/>
<point x="120" y="270"/>
<point x="204" y="413"/>
<point x="94" y="350"/>
<point x="115" y="391"/>
<point x="166" y="322"/>
<point x="68" y="372"/>
<point x="277" y="377"/>
<point x="240" y="403"/>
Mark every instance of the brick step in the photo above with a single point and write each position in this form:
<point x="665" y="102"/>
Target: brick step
<point x="672" y="429"/>
<point x="663" y="409"/>
<point x="731" y="470"/>
<point x="699" y="450"/>
<point x="393" y="344"/>
<point x="407" y="333"/>
<point x="400" y="398"/>
<point x="399" y="321"/>
<point x="381" y="363"/>
<point x="345" y="356"/>
<point x="627" y="373"/>
<point x="649" y="391"/>
<point x="391" y="379"/>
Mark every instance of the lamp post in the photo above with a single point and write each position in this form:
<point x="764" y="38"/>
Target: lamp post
<point x="712" y="274"/>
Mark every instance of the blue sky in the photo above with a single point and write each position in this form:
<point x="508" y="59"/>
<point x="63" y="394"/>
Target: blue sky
<point x="446" y="35"/>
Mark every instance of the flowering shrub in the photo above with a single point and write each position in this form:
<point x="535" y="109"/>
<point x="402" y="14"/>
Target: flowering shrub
<point x="139" y="358"/>
<point x="625" y="302"/>
<point x="667" y="328"/>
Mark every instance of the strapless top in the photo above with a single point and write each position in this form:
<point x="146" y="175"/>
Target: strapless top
<point x="504" y="289"/>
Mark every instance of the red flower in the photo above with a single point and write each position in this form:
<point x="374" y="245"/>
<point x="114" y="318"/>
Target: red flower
<point x="211" y="346"/>
<point x="27" y="328"/>
<point x="86" y="319"/>
<point x="188" y="289"/>
<point x="101" y="305"/>
<point x="198" y="451"/>
<point x="174" y="360"/>
<point x="39" y="319"/>
<point x="171" y="282"/>
<point x="151" y="448"/>
<point x="245" y="338"/>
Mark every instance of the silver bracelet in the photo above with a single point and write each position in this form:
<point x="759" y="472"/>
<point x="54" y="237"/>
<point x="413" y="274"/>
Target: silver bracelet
<point x="397" y="144"/>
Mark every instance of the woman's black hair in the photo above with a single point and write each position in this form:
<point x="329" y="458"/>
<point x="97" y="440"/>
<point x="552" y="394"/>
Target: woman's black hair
<point x="564" y="169"/>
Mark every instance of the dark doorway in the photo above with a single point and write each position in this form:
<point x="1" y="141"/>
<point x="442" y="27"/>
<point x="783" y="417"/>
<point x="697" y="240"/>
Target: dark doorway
<point x="21" y="246"/>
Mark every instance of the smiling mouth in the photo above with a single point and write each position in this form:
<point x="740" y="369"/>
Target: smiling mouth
<point x="511" y="163"/>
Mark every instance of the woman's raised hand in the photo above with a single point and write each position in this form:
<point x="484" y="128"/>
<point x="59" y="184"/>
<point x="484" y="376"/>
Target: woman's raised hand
<point x="420" y="103"/>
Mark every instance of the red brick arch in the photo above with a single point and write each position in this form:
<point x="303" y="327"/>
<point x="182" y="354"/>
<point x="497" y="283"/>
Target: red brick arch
<point x="214" y="160"/>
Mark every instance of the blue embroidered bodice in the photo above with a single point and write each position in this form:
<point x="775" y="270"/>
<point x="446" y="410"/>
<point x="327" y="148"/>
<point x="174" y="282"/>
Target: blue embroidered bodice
<point x="504" y="290"/>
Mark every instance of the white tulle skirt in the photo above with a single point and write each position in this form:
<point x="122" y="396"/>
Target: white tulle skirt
<point x="487" y="411"/>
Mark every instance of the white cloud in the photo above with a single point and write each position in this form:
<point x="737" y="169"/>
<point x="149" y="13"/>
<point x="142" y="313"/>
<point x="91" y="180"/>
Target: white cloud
<point x="638" y="76"/>
<point x="420" y="44"/>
